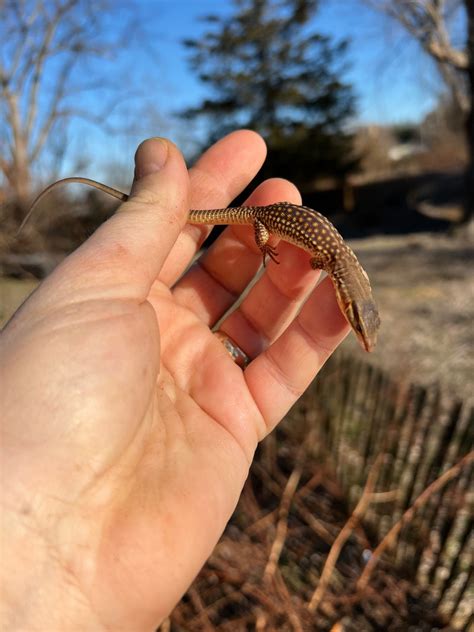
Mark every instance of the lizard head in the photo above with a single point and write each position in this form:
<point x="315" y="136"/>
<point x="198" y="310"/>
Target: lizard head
<point x="364" y="319"/>
<point x="354" y="296"/>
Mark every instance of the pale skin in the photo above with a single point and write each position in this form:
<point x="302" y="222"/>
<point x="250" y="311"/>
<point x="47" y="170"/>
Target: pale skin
<point x="127" y="429"/>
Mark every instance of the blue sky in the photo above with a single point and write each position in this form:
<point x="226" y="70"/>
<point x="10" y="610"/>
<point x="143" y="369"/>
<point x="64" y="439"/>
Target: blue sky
<point x="392" y="80"/>
<point x="385" y="65"/>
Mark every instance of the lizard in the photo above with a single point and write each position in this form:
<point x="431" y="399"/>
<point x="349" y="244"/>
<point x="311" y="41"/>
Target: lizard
<point x="300" y="225"/>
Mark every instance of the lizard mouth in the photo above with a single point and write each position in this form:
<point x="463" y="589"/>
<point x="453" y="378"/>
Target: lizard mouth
<point x="367" y="344"/>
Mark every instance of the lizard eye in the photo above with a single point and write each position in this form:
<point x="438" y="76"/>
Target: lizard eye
<point x="358" y="327"/>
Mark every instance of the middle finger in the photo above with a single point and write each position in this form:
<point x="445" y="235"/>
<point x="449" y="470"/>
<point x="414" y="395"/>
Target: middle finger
<point x="273" y="302"/>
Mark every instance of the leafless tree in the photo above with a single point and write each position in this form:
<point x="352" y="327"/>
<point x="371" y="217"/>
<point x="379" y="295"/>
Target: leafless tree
<point x="49" y="52"/>
<point x="428" y="22"/>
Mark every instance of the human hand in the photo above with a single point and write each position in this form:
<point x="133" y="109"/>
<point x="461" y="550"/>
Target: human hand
<point x="127" y="429"/>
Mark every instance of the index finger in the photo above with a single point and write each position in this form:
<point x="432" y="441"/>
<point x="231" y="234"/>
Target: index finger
<point x="222" y="172"/>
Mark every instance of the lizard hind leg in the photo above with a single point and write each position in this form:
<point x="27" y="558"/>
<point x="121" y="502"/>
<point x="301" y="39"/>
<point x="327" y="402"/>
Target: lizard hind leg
<point x="261" y="239"/>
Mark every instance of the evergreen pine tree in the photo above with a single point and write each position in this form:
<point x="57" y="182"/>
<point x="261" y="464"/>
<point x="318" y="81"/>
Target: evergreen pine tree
<point x="268" y="70"/>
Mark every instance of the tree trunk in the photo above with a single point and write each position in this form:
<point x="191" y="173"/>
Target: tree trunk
<point x="22" y="184"/>
<point x="19" y="174"/>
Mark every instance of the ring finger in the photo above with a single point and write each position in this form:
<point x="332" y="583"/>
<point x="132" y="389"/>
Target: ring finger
<point x="273" y="302"/>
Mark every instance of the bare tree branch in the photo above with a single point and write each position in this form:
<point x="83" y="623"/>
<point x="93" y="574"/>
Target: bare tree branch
<point x="43" y="45"/>
<point x="43" y="53"/>
<point x="54" y="112"/>
<point x="426" y="21"/>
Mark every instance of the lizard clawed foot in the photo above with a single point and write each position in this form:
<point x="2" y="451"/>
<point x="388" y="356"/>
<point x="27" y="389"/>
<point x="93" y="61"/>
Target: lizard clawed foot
<point x="271" y="252"/>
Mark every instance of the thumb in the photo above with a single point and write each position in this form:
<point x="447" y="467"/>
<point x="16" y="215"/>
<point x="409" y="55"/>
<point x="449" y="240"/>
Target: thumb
<point x="135" y="242"/>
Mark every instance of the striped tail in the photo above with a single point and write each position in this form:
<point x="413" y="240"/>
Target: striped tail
<point x="231" y="215"/>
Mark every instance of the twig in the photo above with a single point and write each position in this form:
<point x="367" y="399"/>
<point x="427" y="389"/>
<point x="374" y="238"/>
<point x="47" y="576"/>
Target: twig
<point x="344" y="534"/>
<point x="391" y="536"/>
<point x="313" y="523"/>
<point x="282" y="526"/>
<point x="385" y="497"/>
<point x="165" y="626"/>
<point x="291" y="613"/>
<point x="260" y="620"/>
<point x="230" y="598"/>
<point x="265" y="521"/>
<point x="287" y="497"/>
<point x="202" y="615"/>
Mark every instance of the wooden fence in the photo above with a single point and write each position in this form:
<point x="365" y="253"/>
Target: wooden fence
<point x="421" y="433"/>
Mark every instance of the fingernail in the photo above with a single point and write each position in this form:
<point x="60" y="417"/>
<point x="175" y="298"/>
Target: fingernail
<point x="151" y="156"/>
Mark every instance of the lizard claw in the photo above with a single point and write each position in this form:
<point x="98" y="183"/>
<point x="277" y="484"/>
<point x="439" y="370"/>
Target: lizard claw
<point x="271" y="252"/>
